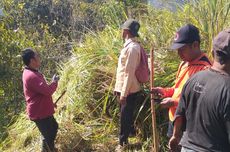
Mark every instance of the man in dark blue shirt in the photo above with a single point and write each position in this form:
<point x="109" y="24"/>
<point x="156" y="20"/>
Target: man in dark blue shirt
<point x="204" y="108"/>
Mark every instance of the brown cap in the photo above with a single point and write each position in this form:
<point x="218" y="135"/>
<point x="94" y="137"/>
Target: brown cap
<point x="221" y="43"/>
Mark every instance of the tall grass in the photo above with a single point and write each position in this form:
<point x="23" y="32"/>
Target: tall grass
<point x="211" y="16"/>
<point x="87" y="113"/>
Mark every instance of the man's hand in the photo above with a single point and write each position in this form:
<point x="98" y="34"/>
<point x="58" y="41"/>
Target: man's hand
<point x="167" y="103"/>
<point x="123" y="100"/>
<point x="158" y="91"/>
<point x="173" y="144"/>
<point x="55" y="78"/>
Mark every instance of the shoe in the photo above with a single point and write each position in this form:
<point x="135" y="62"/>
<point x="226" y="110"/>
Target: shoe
<point x="133" y="132"/>
<point x="121" y="148"/>
<point x="123" y="143"/>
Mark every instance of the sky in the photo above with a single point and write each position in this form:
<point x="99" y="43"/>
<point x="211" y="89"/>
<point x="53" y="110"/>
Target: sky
<point x="1" y="12"/>
<point x="170" y="4"/>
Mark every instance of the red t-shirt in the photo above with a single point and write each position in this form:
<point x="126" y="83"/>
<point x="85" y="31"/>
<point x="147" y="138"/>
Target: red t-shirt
<point x="38" y="94"/>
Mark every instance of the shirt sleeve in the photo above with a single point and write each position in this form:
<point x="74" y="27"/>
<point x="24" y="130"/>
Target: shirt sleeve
<point x="130" y="68"/>
<point x="168" y="92"/>
<point x="39" y="85"/>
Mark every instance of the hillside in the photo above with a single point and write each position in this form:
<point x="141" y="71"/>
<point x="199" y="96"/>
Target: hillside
<point x="81" y="40"/>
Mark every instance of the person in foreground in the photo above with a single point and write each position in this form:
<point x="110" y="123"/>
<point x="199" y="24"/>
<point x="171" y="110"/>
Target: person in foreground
<point x="127" y="86"/>
<point x="38" y="96"/>
<point x="203" y="112"/>
<point x="187" y="44"/>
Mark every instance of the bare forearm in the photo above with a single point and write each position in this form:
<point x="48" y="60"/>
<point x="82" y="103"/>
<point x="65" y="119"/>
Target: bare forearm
<point x="177" y="129"/>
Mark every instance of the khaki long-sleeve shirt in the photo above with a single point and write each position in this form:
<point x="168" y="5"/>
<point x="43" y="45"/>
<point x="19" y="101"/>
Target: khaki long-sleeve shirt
<point x="129" y="59"/>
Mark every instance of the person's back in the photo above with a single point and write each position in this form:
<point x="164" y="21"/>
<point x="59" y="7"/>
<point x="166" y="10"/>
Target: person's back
<point x="207" y="99"/>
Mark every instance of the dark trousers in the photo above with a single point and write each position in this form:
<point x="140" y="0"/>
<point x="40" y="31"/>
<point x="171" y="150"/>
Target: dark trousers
<point x="48" y="128"/>
<point x="126" y="118"/>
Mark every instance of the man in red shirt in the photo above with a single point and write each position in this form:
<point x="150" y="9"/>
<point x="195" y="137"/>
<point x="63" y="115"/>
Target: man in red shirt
<point x="38" y="96"/>
<point x="187" y="44"/>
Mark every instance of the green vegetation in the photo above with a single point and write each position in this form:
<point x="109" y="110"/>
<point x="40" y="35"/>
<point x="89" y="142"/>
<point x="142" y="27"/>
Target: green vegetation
<point x="81" y="41"/>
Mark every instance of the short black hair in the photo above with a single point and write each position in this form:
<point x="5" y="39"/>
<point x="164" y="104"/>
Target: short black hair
<point x="27" y="54"/>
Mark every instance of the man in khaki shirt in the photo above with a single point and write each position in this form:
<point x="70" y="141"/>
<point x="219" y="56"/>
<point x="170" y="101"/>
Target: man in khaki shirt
<point x="127" y="85"/>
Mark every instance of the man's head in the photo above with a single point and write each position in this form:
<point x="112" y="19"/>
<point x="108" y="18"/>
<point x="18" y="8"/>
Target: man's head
<point x="221" y="47"/>
<point x="31" y="58"/>
<point x="130" y="28"/>
<point x="187" y="42"/>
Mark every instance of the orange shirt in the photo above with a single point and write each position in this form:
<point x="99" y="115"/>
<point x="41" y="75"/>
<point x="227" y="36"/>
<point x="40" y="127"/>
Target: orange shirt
<point x="185" y="71"/>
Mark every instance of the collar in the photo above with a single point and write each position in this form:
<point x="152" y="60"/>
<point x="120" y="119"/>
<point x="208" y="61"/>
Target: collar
<point x="31" y="69"/>
<point x="219" y="72"/>
<point x="128" y="41"/>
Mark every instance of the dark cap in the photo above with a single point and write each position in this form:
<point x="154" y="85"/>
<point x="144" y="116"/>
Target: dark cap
<point x="185" y="35"/>
<point x="131" y="25"/>
<point x="221" y="43"/>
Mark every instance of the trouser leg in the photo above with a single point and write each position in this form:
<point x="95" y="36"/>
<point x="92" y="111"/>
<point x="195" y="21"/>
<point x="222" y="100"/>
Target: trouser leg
<point x="126" y="118"/>
<point x="48" y="128"/>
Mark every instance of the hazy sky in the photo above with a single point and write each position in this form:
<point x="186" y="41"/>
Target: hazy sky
<point x="1" y="12"/>
<point x="171" y="4"/>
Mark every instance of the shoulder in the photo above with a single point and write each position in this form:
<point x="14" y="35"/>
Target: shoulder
<point x="203" y="74"/>
<point x="30" y="75"/>
<point x="134" y="47"/>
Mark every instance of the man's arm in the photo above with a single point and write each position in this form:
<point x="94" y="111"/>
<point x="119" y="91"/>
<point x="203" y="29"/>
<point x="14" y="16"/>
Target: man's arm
<point x="39" y="85"/>
<point x="179" y="120"/>
<point x="177" y="133"/>
<point x="167" y="103"/>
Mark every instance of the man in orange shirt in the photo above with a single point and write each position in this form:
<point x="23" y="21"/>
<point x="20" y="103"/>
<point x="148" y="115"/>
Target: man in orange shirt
<point x="187" y="44"/>
<point x="203" y="113"/>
